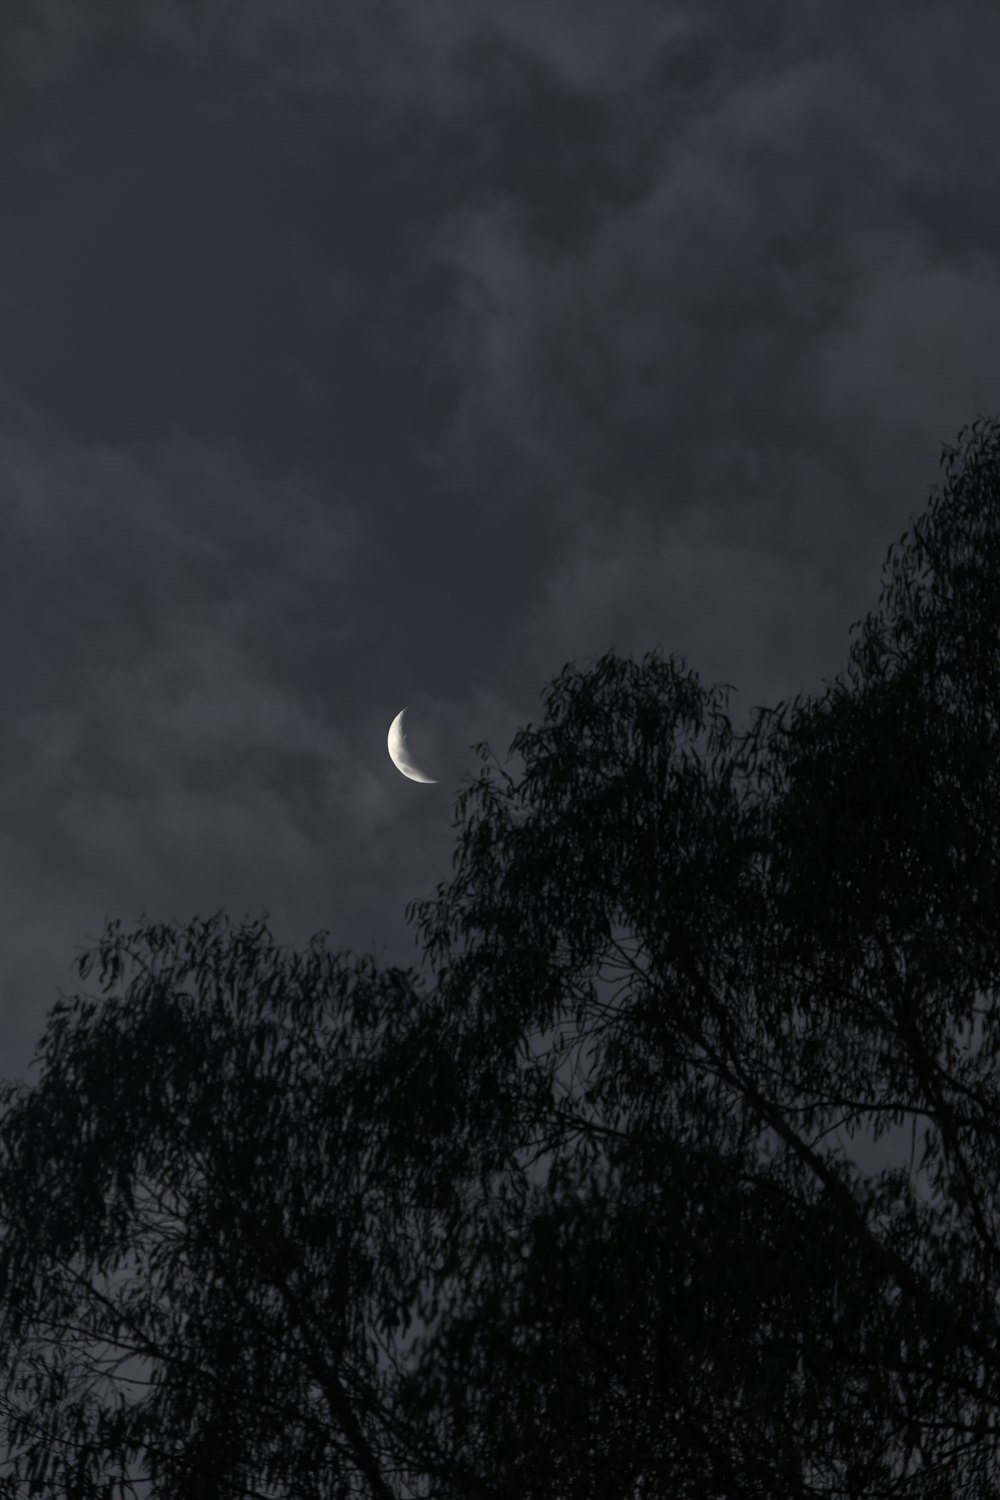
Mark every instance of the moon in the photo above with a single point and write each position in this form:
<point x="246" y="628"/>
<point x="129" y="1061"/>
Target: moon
<point x="400" y="755"/>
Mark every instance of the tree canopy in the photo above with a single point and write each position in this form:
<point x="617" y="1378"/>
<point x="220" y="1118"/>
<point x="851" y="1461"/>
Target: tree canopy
<point x="557" y="1214"/>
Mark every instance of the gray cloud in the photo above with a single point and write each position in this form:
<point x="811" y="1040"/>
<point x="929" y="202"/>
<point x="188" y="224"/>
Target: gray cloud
<point x="398" y="353"/>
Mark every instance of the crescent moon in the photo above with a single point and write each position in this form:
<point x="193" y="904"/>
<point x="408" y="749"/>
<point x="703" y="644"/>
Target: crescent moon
<point x="400" y="755"/>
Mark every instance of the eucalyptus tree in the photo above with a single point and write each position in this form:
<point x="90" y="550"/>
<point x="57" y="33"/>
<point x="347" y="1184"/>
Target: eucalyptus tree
<point x="560" y="1215"/>
<point x="196" y="1182"/>
<point x="799" y="927"/>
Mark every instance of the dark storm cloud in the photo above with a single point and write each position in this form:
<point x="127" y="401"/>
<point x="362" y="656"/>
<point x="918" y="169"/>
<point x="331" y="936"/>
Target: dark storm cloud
<point x="174" y="615"/>
<point x="438" y="58"/>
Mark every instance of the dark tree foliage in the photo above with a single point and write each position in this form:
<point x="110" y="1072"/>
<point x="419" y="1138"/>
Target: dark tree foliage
<point x="561" y="1216"/>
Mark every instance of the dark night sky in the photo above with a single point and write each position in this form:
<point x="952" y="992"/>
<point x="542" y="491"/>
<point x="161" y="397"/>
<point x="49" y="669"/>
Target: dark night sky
<point x="354" y="356"/>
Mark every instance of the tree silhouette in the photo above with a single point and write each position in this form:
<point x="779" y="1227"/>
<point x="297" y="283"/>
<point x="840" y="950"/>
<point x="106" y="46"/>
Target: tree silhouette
<point x="561" y="1216"/>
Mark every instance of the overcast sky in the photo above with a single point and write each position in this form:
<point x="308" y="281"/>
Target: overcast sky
<point x="354" y="357"/>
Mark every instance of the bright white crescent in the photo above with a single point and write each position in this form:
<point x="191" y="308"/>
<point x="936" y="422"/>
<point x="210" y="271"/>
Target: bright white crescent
<point x="400" y="755"/>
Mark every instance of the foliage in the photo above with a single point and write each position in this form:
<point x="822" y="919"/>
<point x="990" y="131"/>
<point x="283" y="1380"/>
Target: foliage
<point x="560" y="1217"/>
